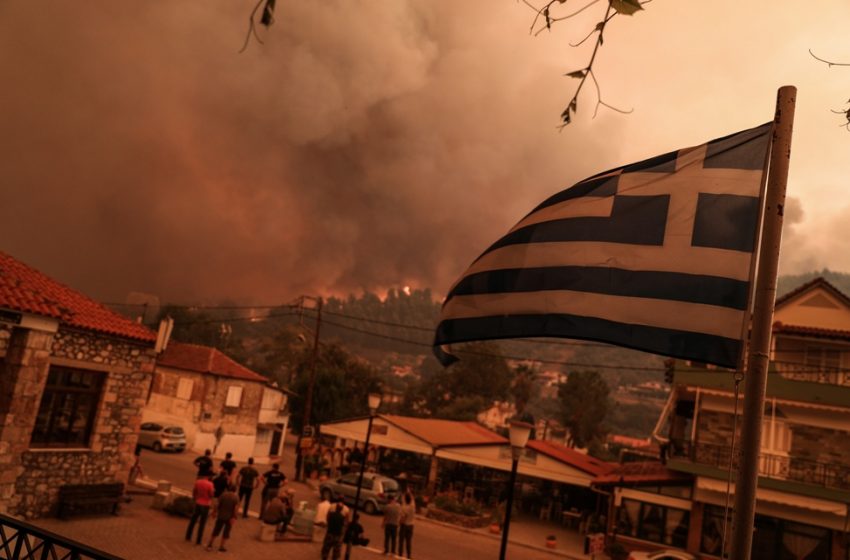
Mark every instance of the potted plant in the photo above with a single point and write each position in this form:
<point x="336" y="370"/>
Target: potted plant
<point x="551" y="541"/>
<point x="496" y="519"/>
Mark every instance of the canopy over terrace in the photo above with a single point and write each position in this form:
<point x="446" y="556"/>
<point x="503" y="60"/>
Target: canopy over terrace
<point x="470" y="443"/>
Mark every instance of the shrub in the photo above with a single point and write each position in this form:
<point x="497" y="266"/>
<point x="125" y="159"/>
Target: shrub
<point x="453" y="505"/>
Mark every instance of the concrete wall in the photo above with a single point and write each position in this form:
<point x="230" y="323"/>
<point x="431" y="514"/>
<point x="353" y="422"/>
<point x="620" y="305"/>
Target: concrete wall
<point x="205" y="410"/>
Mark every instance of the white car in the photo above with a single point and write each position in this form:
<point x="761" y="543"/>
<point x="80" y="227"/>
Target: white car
<point x="662" y="555"/>
<point x="162" y="438"/>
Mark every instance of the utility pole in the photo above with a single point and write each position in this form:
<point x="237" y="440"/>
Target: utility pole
<point x="308" y="399"/>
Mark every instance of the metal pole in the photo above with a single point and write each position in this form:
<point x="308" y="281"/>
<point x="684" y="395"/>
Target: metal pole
<point x="360" y="479"/>
<point x="509" y="505"/>
<point x="308" y="400"/>
<point x="765" y="297"/>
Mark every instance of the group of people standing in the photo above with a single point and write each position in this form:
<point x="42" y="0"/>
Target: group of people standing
<point x="215" y="492"/>
<point x="398" y="522"/>
<point x="219" y="493"/>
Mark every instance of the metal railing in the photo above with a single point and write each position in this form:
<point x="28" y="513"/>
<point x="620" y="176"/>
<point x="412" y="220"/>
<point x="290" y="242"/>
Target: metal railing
<point x="21" y="541"/>
<point x="782" y="467"/>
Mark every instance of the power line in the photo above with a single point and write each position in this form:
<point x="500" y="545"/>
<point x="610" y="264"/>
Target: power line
<point x="577" y="344"/>
<point x="488" y="354"/>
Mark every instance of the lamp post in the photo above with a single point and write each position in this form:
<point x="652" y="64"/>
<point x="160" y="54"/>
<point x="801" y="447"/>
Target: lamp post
<point x="374" y="403"/>
<point x="519" y="433"/>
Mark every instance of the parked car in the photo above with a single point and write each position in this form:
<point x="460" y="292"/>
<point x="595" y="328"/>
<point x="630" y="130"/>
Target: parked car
<point x="162" y="438"/>
<point x="374" y="494"/>
<point x="662" y="555"/>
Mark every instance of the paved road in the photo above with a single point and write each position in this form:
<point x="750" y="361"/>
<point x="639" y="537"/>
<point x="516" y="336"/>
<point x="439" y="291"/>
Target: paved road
<point x="142" y="533"/>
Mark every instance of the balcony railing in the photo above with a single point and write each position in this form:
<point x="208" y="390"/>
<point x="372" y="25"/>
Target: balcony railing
<point x="22" y="541"/>
<point x="782" y="467"/>
<point x="801" y="372"/>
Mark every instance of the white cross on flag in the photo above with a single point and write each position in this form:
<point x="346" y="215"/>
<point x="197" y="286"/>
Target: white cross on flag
<point x="655" y="256"/>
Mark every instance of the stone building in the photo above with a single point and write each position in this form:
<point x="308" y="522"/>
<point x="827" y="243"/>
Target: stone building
<point x="207" y="393"/>
<point x="803" y="497"/>
<point x="73" y="381"/>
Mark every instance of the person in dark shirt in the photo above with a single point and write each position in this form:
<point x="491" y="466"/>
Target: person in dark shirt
<point x="247" y="481"/>
<point x="228" y="464"/>
<point x="333" y="535"/>
<point x="220" y="484"/>
<point x="273" y="481"/>
<point x="354" y="535"/>
<point x="204" y="464"/>
<point x="225" y="514"/>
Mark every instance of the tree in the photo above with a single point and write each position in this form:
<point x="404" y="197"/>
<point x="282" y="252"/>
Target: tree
<point x="522" y="387"/>
<point x="584" y="405"/>
<point x="465" y="388"/>
<point x="341" y="388"/>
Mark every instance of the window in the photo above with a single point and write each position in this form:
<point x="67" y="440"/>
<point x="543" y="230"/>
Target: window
<point x="67" y="410"/>
<point x="773" y="539"/>
<point x="653" y="522"/>
<point x="270" y="400"/>
<point x="234" y="396"/>
<point x="184" y="388"/>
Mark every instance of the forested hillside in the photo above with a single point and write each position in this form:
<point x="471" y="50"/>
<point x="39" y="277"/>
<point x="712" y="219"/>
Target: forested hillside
<point x="388" y="339"/>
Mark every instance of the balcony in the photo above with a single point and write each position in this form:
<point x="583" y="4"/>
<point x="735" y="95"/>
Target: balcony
<point x="23" y="541"/>
<point x="811" y="387"/>
<point x="778" y="471"/>
<point x="801" y="372"/>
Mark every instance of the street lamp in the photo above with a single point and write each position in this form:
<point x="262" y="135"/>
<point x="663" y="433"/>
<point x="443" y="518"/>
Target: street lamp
<point x="519" y="433"/>
<point x="374" y="403"/>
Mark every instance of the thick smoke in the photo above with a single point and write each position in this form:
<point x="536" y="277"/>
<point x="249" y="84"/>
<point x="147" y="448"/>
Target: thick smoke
<point x="364" y="145"/>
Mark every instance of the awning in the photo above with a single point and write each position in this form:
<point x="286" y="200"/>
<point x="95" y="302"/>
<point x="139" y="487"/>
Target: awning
<point x="777" y="497"/>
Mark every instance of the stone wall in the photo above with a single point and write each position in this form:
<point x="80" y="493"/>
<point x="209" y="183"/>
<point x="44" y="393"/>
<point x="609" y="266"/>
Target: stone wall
<point x="101" y="349"/>
<point x="715" y="428"/>
<point x="5" y="334"/>
<point x="241" y="420"/>
<point x="37" y="474"/>
<point x="819" y="444"/>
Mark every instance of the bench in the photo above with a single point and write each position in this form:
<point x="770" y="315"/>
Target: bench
<point x="90" y="498"/>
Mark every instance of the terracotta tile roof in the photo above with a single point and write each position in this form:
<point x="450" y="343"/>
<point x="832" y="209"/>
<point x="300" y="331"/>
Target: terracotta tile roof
<point x="27" y="290"/>
<point x="816" y="332"/>
<point x="571" y="457"/>
<point x="445" y="433"/>
<point x="815" y="282"/>
<point x="642" y="471"/>
<point x="205" y="359"/>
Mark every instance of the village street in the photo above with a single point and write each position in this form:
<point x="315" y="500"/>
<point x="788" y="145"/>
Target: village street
<point x="431" y="539"/>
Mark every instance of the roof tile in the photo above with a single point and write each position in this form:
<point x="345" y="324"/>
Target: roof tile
<point x="205" y="359"/>
<point x="27" y="290"/>
<point x="570" y="456"/>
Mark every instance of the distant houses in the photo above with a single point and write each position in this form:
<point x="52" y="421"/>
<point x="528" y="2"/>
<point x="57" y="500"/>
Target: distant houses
<point x="219" y="403"/>
<point x="73" y="381"/>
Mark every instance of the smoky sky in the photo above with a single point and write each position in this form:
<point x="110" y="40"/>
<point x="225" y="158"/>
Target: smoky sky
<point x="365" y="145"/>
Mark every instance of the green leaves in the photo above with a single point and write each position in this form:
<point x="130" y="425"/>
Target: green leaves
<point x="626" y="7"/>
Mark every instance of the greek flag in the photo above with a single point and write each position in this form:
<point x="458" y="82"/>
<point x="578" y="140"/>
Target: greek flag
<point x="655" y="256"/>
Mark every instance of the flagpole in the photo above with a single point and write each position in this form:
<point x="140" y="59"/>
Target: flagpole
<point x="765" y="298"/>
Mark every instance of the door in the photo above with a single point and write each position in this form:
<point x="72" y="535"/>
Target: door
<point x="274" y="448"/>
